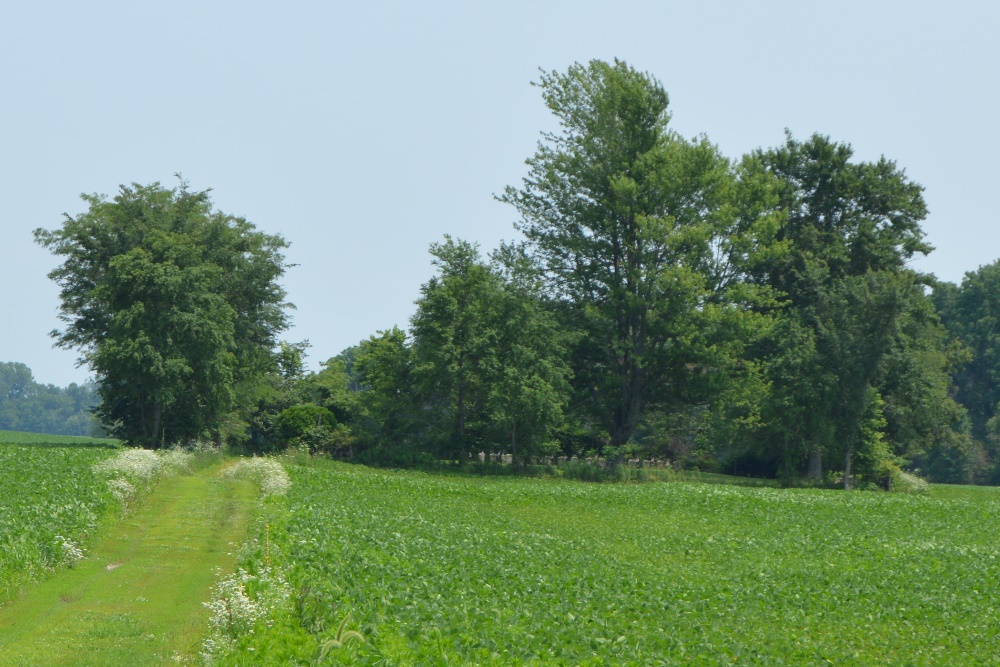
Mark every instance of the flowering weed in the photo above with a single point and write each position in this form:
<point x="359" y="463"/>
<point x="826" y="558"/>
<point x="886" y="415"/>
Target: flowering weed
<point x="132" y="470"/>
<point x="268" y="474"/>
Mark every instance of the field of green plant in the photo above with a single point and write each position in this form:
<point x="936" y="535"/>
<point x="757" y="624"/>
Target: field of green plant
<point x="43" y="439"/>
<point x="50" y="500"/>
<point x="504" y="571"/>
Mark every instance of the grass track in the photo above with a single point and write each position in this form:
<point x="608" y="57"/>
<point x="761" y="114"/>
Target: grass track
<point x="147" y="608"/>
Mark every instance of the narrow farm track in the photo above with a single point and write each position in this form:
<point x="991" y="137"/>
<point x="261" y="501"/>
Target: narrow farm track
<point x="137" y="598"/>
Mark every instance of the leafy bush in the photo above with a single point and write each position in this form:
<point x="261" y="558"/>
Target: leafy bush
<point x="314" y="429"/>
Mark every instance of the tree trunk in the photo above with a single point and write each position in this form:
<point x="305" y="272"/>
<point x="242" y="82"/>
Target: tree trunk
<point x="849" y="454"/>
<point x="815" y="463"/>
<point x="460" y="420"/>
<point x="626" y="416"/>
<point x="154" y="437"/>
<point x="513" y="444"/>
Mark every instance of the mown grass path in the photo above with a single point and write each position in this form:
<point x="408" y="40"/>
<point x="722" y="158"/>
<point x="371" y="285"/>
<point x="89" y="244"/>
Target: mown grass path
<point x="137" y="598"/>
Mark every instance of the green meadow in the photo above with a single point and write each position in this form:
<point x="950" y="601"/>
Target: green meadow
<point x="44" y="439"/>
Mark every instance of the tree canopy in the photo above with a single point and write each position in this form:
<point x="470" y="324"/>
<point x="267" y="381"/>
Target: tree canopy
<point x="173" y="305"/>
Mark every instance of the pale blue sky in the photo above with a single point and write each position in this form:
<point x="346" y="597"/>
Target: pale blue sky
<point x="363" y="132"/>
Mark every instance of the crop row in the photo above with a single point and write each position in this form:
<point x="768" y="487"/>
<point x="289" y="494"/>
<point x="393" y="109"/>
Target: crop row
<point x="506" y="571"/>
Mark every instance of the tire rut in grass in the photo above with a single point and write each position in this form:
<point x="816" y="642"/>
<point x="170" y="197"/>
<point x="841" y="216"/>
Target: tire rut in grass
<point x="137" y="598"/>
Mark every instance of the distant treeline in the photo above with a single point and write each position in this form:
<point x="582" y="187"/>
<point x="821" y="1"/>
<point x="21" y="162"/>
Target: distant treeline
<point x="26" y="405"/>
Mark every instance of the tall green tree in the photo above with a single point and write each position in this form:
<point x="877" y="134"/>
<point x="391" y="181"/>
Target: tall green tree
<point x="925" y="425"/>
<point x="636" y="230"/>
<point x="386" y="420"/>
<point x="529" y="388"/>
<point x="971" y="313"/>
<point x="175" y="306"/>
<point x="454" y="345"/>
<point x="849" y="229"/>
<point x="857" y="324"/>
<point x="490" y="364"/>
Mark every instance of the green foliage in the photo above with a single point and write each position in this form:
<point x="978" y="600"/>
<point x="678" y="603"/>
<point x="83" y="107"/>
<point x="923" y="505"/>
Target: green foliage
<point x="849" y="310"/>
<point x="49" y="495"/>
<point x="970" y="313"/>
<point x="295" y="421"/>
<point x="333" y="388"/>
<point x="515" y="571"/>
<point x="173" y="305"/>
<point x="644" y="239"/>
<point x="26" y="405"/>
<point x="384" y="367"/>
<point x="314" y="428"/>
<point x="489" y="357"/>
<point x="455" y="346"/>
<point x="627" y="222"/>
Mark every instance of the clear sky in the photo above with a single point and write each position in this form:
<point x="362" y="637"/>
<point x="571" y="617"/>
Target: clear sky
<point x="364" y="131"/>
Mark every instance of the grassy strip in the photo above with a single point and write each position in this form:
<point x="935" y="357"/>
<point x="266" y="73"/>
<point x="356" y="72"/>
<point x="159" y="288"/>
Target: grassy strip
<point x="505" y="571"/>
<point x="137" y="598"/>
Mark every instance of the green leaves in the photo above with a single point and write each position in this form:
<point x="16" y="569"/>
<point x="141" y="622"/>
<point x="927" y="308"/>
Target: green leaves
<point x="635" y="230"/>
<point x="46" y="492"/>
<point x="173" y="305"/>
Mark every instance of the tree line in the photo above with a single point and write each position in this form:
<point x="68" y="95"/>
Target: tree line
<point x="754" y="315"/>
<point x="27" y="405"/>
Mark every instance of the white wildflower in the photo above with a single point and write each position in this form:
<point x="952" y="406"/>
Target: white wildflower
<point x="138" y="465"/>
<point x="268" y="474"/>
<point x="70" y="553"/>
<point x="176" y="460"/>
<point x="121" y="489"/>
<point x="130" y="470"/>
<point x="239" y="602"/>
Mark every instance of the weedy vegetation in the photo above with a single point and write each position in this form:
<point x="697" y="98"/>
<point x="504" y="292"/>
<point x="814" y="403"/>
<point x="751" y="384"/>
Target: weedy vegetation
<point x="442" y="570"/>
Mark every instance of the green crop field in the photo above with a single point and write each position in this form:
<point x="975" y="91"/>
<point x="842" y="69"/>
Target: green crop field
<point x="44" y="439"/>
<point x="504" y="571"/>
<point x="50" y="501"/>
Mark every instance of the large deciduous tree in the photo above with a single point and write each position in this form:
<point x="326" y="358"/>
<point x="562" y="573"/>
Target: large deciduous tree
<point x="489" y="356"/>
<point x="849" y="229"/>
<point x="971" y="312"/>
<point x="174" y="306"/>
<point x="637" y="232"/>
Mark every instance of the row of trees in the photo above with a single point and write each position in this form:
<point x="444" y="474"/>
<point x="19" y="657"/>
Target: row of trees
<point x="27" y="405"/>
<point x="752" y="315"/>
